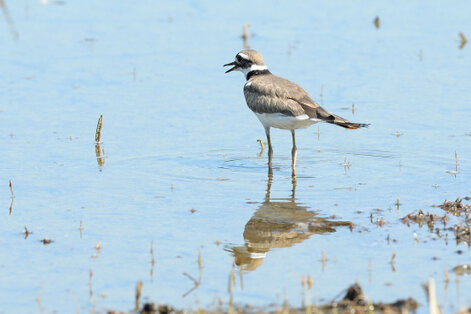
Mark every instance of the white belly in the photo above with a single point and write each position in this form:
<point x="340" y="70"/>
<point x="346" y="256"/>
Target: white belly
<point x="281" y="121"/>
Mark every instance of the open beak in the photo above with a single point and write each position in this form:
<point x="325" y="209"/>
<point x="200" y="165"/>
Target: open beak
<point x="235" y="66"/>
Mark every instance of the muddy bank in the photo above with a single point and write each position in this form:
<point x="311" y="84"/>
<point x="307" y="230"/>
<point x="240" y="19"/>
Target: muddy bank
<point x="455" y="220"/>
<point x="354" y="301"/>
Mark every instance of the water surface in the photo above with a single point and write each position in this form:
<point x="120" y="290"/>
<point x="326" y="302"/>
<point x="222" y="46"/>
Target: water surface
<point x="181" y="167"/>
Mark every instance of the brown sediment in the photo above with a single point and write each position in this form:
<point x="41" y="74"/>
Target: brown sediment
<point x="457" y="208"/>
<point x="354" y="301"/>
<point x="460" y="213"/>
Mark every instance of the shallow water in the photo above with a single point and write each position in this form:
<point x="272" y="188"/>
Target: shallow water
<point x="177" y="136"/>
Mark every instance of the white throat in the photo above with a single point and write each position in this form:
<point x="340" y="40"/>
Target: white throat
<point x="253" y="67"/>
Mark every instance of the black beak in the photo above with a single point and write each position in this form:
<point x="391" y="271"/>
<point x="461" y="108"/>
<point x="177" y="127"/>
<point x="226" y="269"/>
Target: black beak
<point x="233" y="68"/>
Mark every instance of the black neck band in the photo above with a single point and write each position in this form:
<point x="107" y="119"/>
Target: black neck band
<point x="257" y="72"/>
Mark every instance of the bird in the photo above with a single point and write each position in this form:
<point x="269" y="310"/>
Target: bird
<point x="280" y="103"/>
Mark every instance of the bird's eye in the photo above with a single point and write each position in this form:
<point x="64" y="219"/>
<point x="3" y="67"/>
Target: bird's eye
<point x="239" y="59"/>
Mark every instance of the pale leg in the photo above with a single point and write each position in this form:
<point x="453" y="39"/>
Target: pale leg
<point x="294" y="153"/>
<point x="270" y="150"/>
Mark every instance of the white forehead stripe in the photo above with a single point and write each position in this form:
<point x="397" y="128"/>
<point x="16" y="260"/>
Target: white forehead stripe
<point x="243" y="55"/>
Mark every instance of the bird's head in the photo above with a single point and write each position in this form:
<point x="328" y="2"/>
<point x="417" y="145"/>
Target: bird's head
<point x="246" y="61"/>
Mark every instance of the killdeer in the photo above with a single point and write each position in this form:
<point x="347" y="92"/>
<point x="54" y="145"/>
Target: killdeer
<point x="280" y="103"/>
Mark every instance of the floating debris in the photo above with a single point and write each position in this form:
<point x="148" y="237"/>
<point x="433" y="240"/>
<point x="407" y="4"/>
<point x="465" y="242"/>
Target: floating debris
<point x="423" y="219"/>
<point x="463" y="40"/>
<point x="27" y="233"/>
<point x="456" y="208"/>
<point x="380" y="222"/>
<point x="462" y="234"/>
<point x="377" y="22"/>
<point x="461" y="213"/>
<point x="46" y="241"/>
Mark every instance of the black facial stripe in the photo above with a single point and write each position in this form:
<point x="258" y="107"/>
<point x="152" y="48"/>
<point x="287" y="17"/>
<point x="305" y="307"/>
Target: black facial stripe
<point x="242" y="62"/>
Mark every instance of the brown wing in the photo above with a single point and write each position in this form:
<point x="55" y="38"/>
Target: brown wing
<point x="272" y="94"/>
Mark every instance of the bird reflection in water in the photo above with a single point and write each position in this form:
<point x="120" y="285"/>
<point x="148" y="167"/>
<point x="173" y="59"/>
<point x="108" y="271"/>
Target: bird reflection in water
<point x="279" y="223"/>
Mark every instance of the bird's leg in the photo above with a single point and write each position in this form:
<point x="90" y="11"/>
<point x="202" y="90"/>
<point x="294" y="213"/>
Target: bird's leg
<point x="294" y="153"/>
<point x="270" y="150"/>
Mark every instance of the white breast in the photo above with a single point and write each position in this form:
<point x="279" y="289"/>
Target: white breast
<point x="281" y="121"/>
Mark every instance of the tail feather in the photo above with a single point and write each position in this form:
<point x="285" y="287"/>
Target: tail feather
<point x="337" y="120"/>
<point x="350" y="125"/>
<point x="326" y="116"/>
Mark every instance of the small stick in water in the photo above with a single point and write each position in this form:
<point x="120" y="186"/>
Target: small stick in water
<point x="90" y="276"/>
<point x="138" y="295"/>
<point x="152" y="262"/>
<point x="100" y="155"/>
<point x="98" y="129"/>
<point x="12" y="197"/>
<point x="245" y="35"/>
<point x="456" y="161"/>
<point x="262" y="147"/>
<point x="11" y="190"/>
<point x="392" y="262"/>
